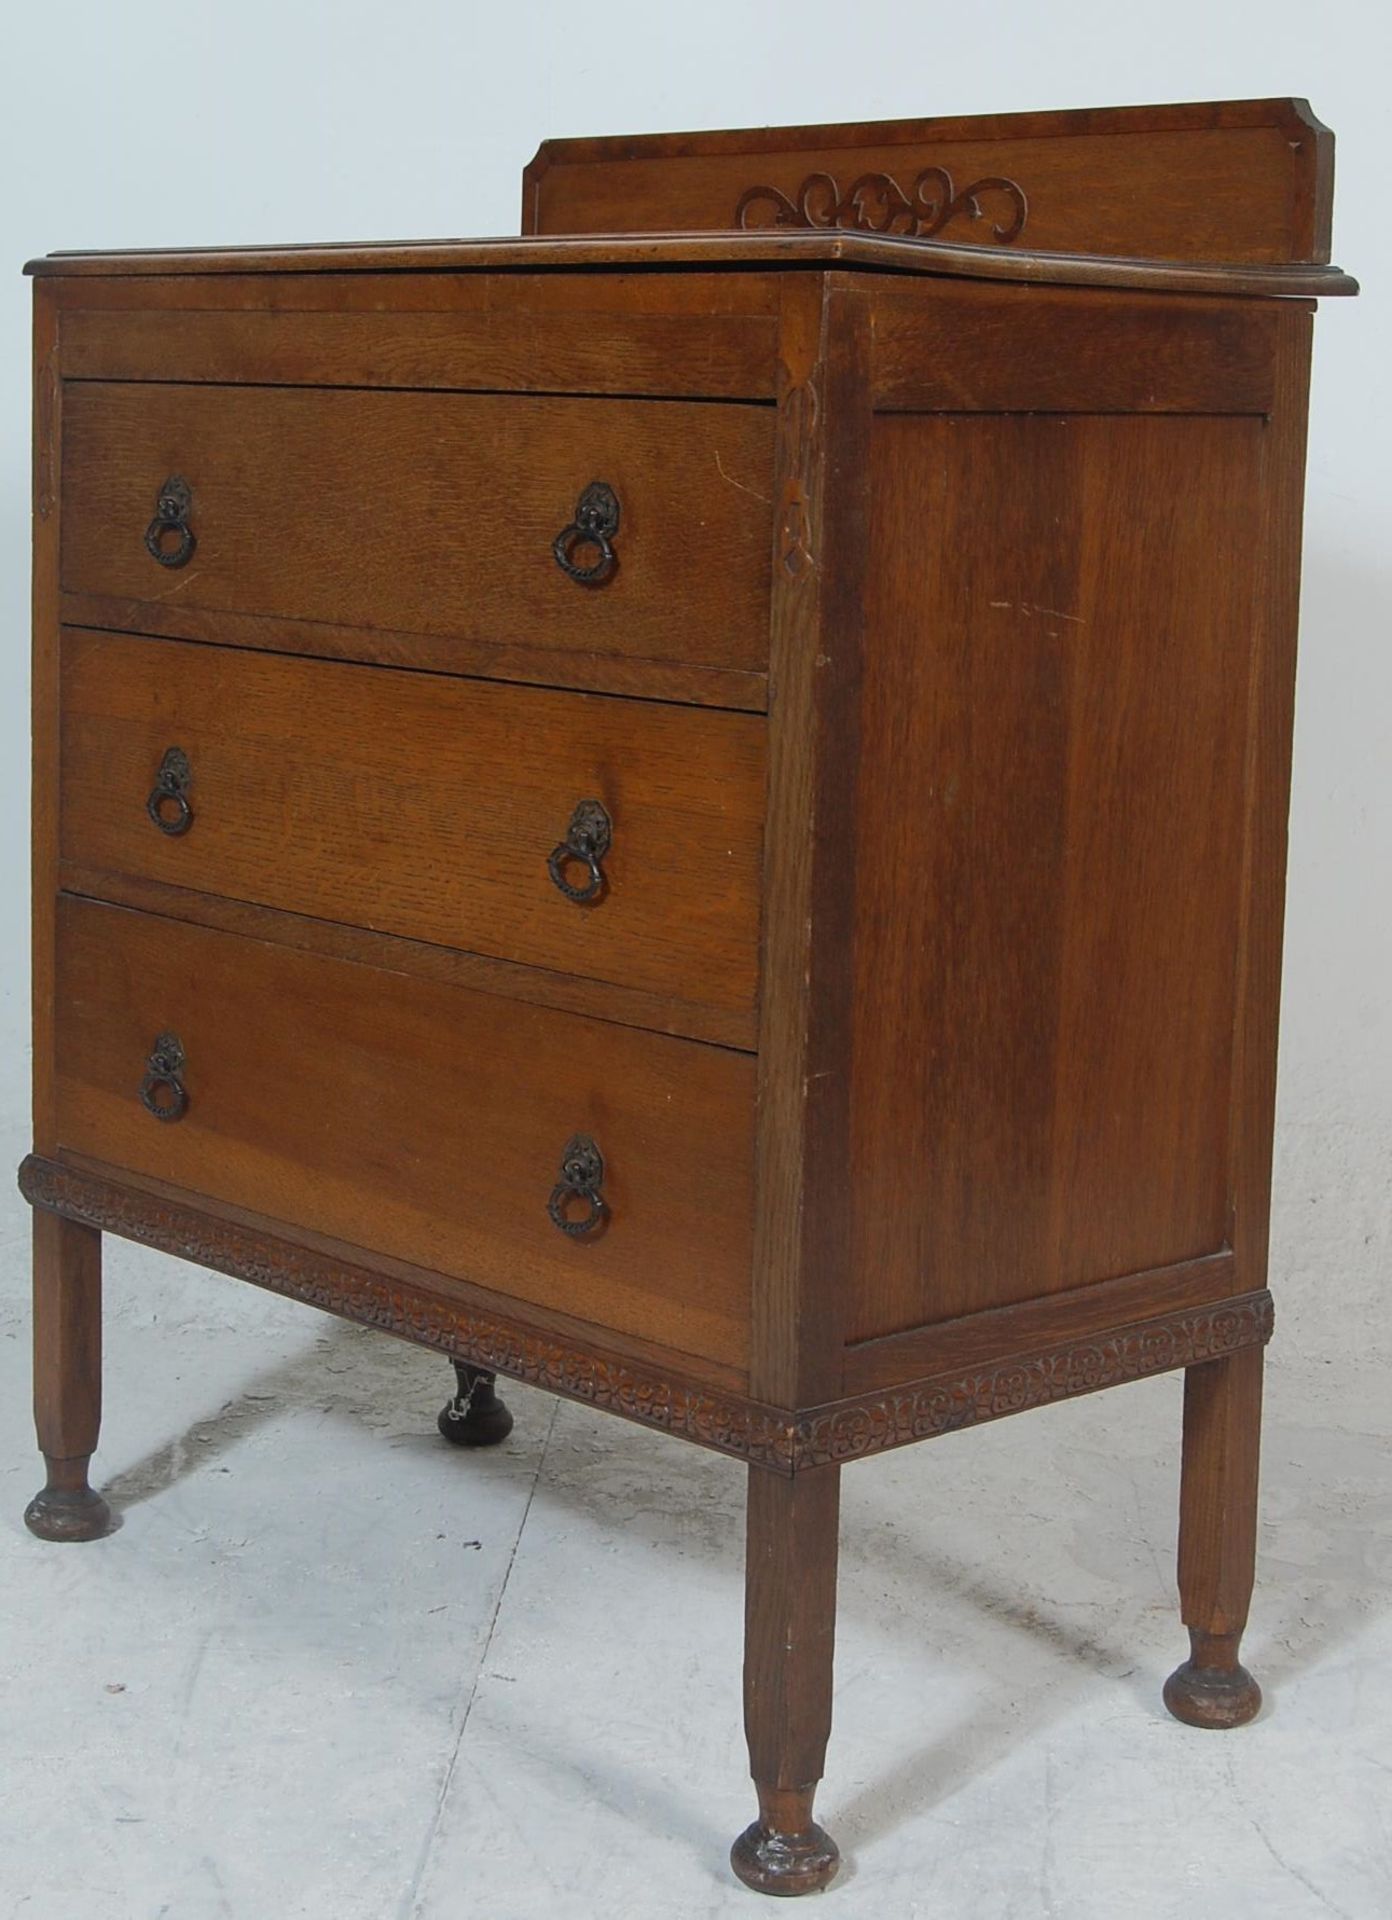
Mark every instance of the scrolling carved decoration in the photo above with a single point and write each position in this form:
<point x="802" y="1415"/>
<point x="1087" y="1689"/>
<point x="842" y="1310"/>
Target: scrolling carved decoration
<point x="876" y="203"/>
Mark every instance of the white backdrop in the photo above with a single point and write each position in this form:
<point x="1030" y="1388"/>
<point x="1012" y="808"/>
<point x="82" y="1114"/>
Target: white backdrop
<point x="129" y="125"/>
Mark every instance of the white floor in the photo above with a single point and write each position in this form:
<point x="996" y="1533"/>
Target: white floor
<point x="331" y="1669"/>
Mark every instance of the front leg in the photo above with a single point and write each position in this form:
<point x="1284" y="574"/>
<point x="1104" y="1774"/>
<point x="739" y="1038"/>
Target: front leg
<point x="789" y="1636"/>
<point x="67" y="1377"/>
<point x="1218" y="1539"/>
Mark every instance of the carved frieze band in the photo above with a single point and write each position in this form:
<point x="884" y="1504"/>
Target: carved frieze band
<point x="876" y="203"/>
<point x="729" y="1424"/>
<point x="764" y="1436"/>
<point x="874" y="1422"/>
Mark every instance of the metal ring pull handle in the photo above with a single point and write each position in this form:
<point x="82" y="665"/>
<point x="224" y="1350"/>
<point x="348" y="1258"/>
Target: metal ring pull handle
<point x="594" y="526"/>
<point x="582" y="1175"/>
<point x="588" y="838"/>
<point x="172" y="510"/>
<point x="168" y="805"/>
<point x="162" y="1091"/>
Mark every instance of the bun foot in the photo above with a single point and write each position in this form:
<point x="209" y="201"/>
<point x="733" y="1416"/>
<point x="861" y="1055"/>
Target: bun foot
<point x="785" y="1851"/>
<point x="1213" y="1688"/>
<point x="69" y="1513"/>
<point x="476" y="1417"/>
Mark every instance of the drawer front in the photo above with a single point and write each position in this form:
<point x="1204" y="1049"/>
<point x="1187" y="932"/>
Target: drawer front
<point x="420" y="1121"/>
<point x="425" y="806"/>
<point x="431" y="513"/>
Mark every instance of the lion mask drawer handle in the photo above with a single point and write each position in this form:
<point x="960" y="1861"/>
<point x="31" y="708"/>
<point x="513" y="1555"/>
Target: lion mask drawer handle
<point x="582" y="1176"/>
<point x="162" y="1091"/>
<point x="172" y="511"/>
<point x="588" y="838"/>
<point x="594" y="526"/>
<point x="168" y="805"/>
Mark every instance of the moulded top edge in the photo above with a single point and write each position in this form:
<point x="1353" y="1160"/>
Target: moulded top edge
<point x="764" y="249"/>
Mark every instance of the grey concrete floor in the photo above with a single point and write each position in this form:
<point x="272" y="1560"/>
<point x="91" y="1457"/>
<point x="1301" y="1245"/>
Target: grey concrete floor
<point x="331" y="1669"/>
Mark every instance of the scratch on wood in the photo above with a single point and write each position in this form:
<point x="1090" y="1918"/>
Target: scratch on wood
<point x="762" y="498"/>
<point x="185" y="580"/>
<point x="1028" y="607"/>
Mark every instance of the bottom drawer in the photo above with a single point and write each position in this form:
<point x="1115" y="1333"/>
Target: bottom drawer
<point x="418" y="1120"/>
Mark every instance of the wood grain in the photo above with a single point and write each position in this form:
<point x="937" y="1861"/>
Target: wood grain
<point x="67" y="1339"/>
<point x="1231" y="180"/>
<point x="568" y="992"/>
<point x="67" y="1379"/>
<point x="1049" y="826"/>
<point x="999" y="597"/>
<point x="814" y="667"/>
<point x="1218" y="1541"/>
<point x="789" y="1645"/>
<point x="640" y="253"/>
<point x="1013" y="1383"/>
<point x="418" y="1119"/>
<point x="546" y="666"/>
<point x="147" y="1206"/>
<point x="1041" y="349"/>
<point x="1218" y="1494"/>
<point x="1081" y="1314"/>
<point x="426" y="807"/>
<point x="790" y="1623"/>
<point x="643" y="1381"/>
<point x="1270" y="717"/>
<point x="527" y="296"/>
<point x="430" y="512"/>
<point x="509" y="350"/>
<point x="43" y="699"/>
<point x="656" y="1387"/>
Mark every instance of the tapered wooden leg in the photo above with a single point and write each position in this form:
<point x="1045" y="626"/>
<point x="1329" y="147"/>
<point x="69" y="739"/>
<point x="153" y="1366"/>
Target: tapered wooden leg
<point x="475" y="1417"/>
<point x="67" y="1377"/>
<point x="789" y="1635"/>
<point x="1218" y="1539"/>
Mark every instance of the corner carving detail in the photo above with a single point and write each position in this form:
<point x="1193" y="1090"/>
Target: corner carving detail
<point x="876" y="203"/>
<point x="797" y="431"/>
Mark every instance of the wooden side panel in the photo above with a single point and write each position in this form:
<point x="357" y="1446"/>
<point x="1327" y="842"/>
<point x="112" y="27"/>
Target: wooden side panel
<point x="1080" y="1315"/>
<point x="955" y="346"/>
<point x="1050" y="852"/>
<point x="426" y="806"/>
<point x="418" y="1120"/>
<point x="1243" y="180"/>
<point x="430" y="512"/>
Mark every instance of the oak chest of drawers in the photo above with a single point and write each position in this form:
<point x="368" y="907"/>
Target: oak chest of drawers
<point x="695" y="815"/>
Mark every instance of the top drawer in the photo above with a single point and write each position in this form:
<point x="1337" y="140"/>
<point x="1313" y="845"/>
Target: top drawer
<point x="431" y="513"/>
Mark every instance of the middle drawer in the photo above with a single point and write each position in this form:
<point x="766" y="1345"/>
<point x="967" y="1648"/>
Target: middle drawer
<point x="424" y="806"/>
